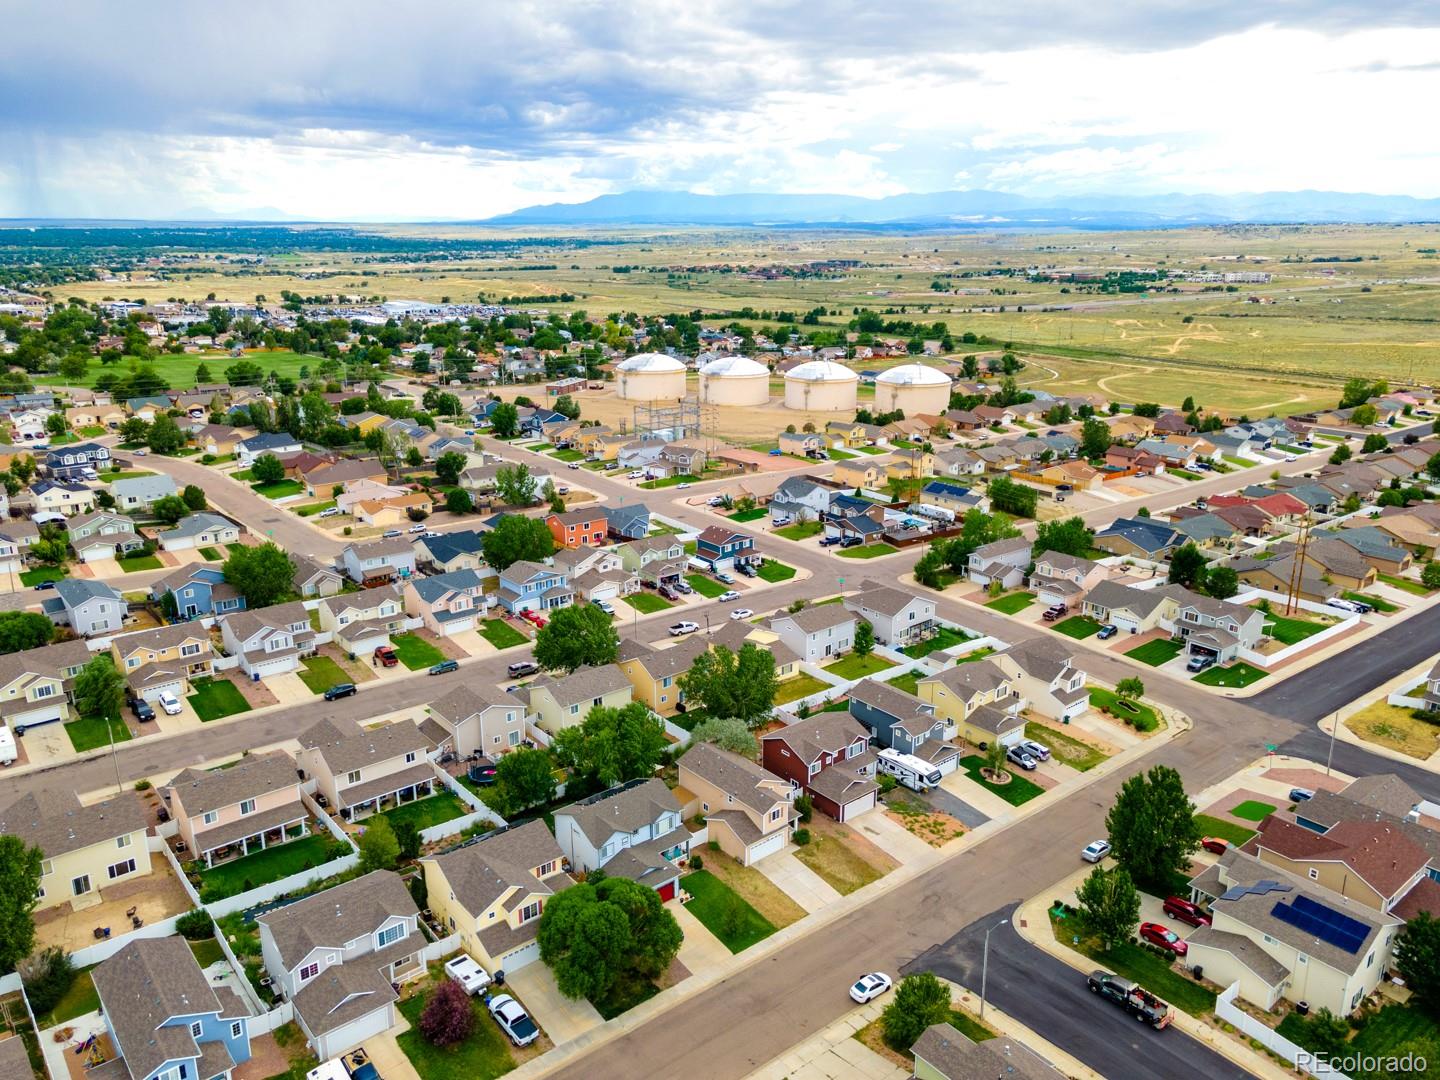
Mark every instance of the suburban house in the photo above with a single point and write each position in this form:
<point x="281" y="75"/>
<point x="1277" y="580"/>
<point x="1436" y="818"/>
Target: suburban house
<point x="86" y="606"/>
<point x="816" y="633"/>
<point x="35" y="683"/>
<point x="800" y="499"/>
<point x="723" y="549"/>
<point x="1277" y="575"/>
<point x="311" y="579"/>
<point x="1064" y="579"/>
<point x="446" y="602"/>
<point x="632" y="831"/>
<point x="736" y="635"/>
<point x="71" y="462"/>
<point x="275" y="443"/>
<point x="829" y="756"/>
<point x="653" y="557"/>
<point x="268" y="641"/>
<point x="163" y="659"/>
<point x="1377" y="548"/>
<point x="956" y="462"/>
<point x="1143" y="538"/>
<point x="1216" y="628"/>
<point x="142" y="492"/>
<point x="597" y="573"/>
<point x="361" y="771"/>
<point x="446" y="552"/>
<point x="532" y="586"/>
<point x="654" y="674"/>
<point x="903" y="722"/>
<point x="199" y="531"/>
<point x="558" y="702"/>
<point x="862" y="472"/>
<point x="378" y="561"/>
<point x="492" y="893"/>
<point x="956" y="498"/>
<point x="899" y="618"/>
<point x="1002" y="560"/>
<point x="337" y="956"/>
<point x="227" y="813"/>
<point x="389" y="512"/>
<point x="86" y="848"/>
<point x="165" y="1018"/>
<point x="1205" y="530"/>
<point x="579" y="528"/>
<point x="627" y="522"/>
<point x="1134" y="611"/>
<point x="1044" y="674"/>
<point x="802" y="443"/>
<point x="748" y="810"/>
<point x="66" y="497"/>
<point x="478" y="718"/>
<point x="979" y="698"/>
<point x="362" y="621"/>
<point x="103" y="535"/>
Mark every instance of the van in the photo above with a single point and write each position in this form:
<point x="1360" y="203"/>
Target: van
<point x="7" y="746"/>
<point x="913" y="773"/>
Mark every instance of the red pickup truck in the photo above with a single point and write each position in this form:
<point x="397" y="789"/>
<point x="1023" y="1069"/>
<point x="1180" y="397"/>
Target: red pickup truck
<point x="385" y="655"/>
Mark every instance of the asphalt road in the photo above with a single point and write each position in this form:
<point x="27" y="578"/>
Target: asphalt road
<point x="1050" y="997"/>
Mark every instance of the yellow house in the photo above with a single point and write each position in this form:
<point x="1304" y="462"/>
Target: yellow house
<point x="862" y="472"/>
<point x="747" y="809"/>
<point x="975" y="697"/>
<point x="63" y="497"/>
<point x="89" y="416"/>
<point x="847" y="433"/>
<point x="493" y="893"/>
<point x="655" y="674"/>
<point x="1077" y="474"/>
<point x="31" y="691"/>
<point x="383" y="513"/>
<point x="364" y="422"/>
<point x="910" y="464"/>
<point x="154" y="661"/>
<point x="587" y="438"/>
<point x="608" y="447"/>
<point x="1131" y="427"/>
<point x="86" y="849"/>
<point x="566" y="701"/>
<point x="734" y="636"/>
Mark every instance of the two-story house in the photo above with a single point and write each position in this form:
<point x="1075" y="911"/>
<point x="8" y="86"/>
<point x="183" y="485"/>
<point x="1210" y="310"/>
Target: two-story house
<point x="658" y="560"/>
<point x="1043" y="673"/>
<point x="338" y="955"/>
<point x="165" y="1018"/>
<point x="277" y="444"/>
<point x="32" y="689"/>
<point x="196" y="591"/>
<point x="630" y="522"/>
<point x="73" y="462"/>
<point x="478" y="718"/>
<point x="596" y="573"/>
<point x="979" y="698"/>
<point x="448" y="603"/>
<point x="1134" y="611"/>
<point x="378" y="561"/>
<point x="314" y="579"/>
<point x="1003" y="561"/>
<point x="655" y="674"/>
<point x="898" y="617"/>
<point x="103" y="535"/>
<point x="800" y="498"/>
<point x="86" y="606"/>
<point x="142" y="492"/>
<point x="829" y="757"/>
<point x="579" y="528"/>
<point x="903" y="722"/>
<point x="444" y="553"/>
<point x="749" y="811"/>
<point x="1064" y="579"/>
<point x="65" y="497"/>
<point x="633" y="831"/>
<point x="268" y="641"/>
<point x="252" y="805"/>
<point x="361" y="771"/>
<point x="362" y="621"/>
<point x="722" y="548"/>
<point x="532" y="586"/>
<point x="199" y="531"/>
<point x="816" y="633"/>
<point x="85" y="848"/>
<point x="493" y="893"/>
<point x="565" y="701"/>
<point x="160" y="660"/>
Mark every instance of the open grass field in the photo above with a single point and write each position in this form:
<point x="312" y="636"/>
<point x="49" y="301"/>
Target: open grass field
<point x="1396" y="729"/>
<point x="179" y="371"/>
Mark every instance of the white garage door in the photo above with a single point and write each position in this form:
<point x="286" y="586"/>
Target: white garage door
<point x="350" y="1035"/>
<point x="768" y="846"/>
<point x="526" y="954"/>
<point x="859" y="806"/>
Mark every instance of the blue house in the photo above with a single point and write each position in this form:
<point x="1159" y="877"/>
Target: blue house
<point x="165" y="1019"/>
<point x="71" y="462"/>
<point x="628" y="522"/>
<point x="197" y="591"/>
<point x="531" y="586"/>
<point x="723" y="548"/>
<point x="1142" y="537"/>
<point x="903" y="722"/>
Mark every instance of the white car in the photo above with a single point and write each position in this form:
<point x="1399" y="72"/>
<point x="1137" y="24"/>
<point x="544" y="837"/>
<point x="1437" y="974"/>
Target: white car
<point x="728" y="594"/>
<point x="1291" y="457"/>
<point x="170" y="703"/>
<point x="681" y="487"/>
<point x="869" y="987"/>
<point x="513" y="1020"/>
<point x="572" y="465"/>
<point x="470" y="975"/>
<point x="1095" y="851"/>
<point x="329" y="511"/>
<point x="605" y="606"/>
<point x="681" y="628"/>
<point x="741" y="613"/>
<point x="638" y="474"/>
<point x="417" y="528"/>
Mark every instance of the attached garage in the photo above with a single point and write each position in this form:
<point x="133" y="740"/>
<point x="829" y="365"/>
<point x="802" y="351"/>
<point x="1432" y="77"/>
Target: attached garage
<point x="768" y="846"/>
<point x="855" y="807"/>
<point x="353" y="1033"/>
<point x="843" y="793"/>
<point x="43" y="714"/>
<point x="667" y="891"/>
<point x="519" y="958"/>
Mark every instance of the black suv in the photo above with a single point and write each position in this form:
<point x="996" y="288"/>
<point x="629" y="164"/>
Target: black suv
<point x="339" y="690"/>
<point x="142" y="710"/>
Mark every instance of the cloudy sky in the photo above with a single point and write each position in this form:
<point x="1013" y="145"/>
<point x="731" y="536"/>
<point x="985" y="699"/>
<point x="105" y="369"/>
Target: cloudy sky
<point x="433" y="109"/>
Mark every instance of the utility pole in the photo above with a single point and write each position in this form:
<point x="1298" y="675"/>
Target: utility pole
<point x="985" y="964"/>
<point x="1334" y="726"/>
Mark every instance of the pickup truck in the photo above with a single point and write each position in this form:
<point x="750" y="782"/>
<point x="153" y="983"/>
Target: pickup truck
<point x="386" y="656"/>
<point x="1053" y="613"/>
<point x="470" y="975"/>
<point x="1138" y="1002"/>
<point x="683" y="628"/>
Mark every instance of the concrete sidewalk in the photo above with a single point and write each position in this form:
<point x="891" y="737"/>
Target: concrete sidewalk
<point x="835" y="1054"/>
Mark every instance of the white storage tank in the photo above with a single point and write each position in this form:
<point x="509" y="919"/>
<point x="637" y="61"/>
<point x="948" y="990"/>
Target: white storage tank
<point x="734" y="380"/>
<point x="912" y="388"/>
<point x="651" y="377"/>
<point x="821" y="386"/>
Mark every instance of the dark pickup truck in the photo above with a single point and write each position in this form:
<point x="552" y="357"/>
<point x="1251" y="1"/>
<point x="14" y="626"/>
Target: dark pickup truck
<point x="1138" y="1002"/>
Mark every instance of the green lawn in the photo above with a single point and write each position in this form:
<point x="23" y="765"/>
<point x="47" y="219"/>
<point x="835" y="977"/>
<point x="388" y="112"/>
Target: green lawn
<point x="1238" y="674"/>
<point x="1017" y="792"/>
<point x="946" y="637"/>
<point x="646" y="603"/>
<point x="209" y="554"/>
<point x="1078" y="627"/>
<point x="124" y="474"/>
<point x="178" y="369"/>
<point x="216" y="698"/>
<point x="628" y="991"/>
<point x="42" y="573"/>
<point x="801" y="530"/>
<point x="1253" y="810"/>
<point x="431" y="810"/>
<point x="872" y="450"/>
<point x="207" y="952"/>
<point x="975" y="654"/>
<point x="970" y="1027"/>
<point x="567" y="455"/>
<point x="773" y="571"/>
<point x="132" y="563"/>
<point x="909" y="682"/>
<point x="263" y="867"/>
<point x="278" y="490"/>
<point x="81" y="998"/>
<point x="501" y="634"/>
<point x="90" y="732"/>
<point x="1186" y="473"/>
<point x="320" y="673"/>
<point x="706" y="586"/>
<point x="1405" y="584"/>
<point x="1157" y="652"/>
<point x="1142" y="716"/>
<point x="857" y="667"/>
<point x="1139" y="965"/>
<point x="415" y="652"/>
<point x="724" y="912"/>
<point x="1225" y="830"/>
<point x="483" y="1056"/>
<point x="867" y="551"/>
<point x="755" y="513"/>
<point x="1078" y="755"/>
<point x="668" y="481"/>
<point x="840" y="455"/>
<point x="311" y="509"/>
<point x="1378" y="603"/>
<point x="1238" y="462"/>
<point x="1391" y="1028"/>
<point x="801" y="685"/>
<point x="1289" y="631"/>
<point x="232" y="548"/>
<point x="1009" y="605"/>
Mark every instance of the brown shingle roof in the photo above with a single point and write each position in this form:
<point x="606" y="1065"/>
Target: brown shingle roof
<point x="57" y="823"/>
<point x="482" y="873"/>
<point x="202" y="790"/>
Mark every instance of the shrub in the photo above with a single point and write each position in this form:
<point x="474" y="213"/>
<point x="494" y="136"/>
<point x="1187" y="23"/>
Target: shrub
<point x="887" y="782"/>
<point x="801" y="837"/>
<point x="696" y="863"/>
<point x="195" y="925"/>
<point x="348" y="530"/>
<point x="47" y="976"/>
<point x="804" y="807"/>
<point x="448" y="1017"/>
<point x="713" y="845"/>
<point x="143" y="785"/>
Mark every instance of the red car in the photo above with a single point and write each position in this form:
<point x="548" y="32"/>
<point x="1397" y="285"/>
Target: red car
<point x="1156" y="934"/>
<point x="1215" y="844"/>
<point x="1185" y="911"/>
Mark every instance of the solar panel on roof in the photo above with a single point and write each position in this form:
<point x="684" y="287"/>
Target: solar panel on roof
<point x="1259" y="888"/>
<point x="1323" y="923"/>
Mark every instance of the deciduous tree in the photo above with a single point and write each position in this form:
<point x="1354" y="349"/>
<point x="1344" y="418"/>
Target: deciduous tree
<point x="1417" y="958"/>
<point x="169" y="509"/>
<point x="1187" y="566"/>
<point x="194" y="496"/>
<point x="264" y="575"/>
<point x="379" y="850"/>
<point x="505" y="420"/>
<point x="1111" y="904"/>
<point x="920" y="1002"/>
<point x="517" y="537"/>
<point x="613" y="745"/>
<point x="1095" y="438"/>
<point x="19" y="893"/>
<point x="448" y="1017"/>
<point x="449" y="466"/>
<point x="21" y="630"/>
<point x="267" y="469"/>
<point x="1152" y="827"/>
<point x="164" y="436"/>
<point x="727" y="732"/>
<point x="1069" y="537"/>
<point x="864" y="638"/>
<point x="594" y="934"/>
<point x="524" y="778"/>
<point x="577" y="636"/>
<point x="514" y="485"/>
<point x="740" y="684"/>
<point x="100" y="689"/>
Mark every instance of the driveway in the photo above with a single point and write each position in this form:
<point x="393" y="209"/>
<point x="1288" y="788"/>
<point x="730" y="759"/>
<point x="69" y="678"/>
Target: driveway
<point x="892" y="837"/>
<point x="966" y="790"/>
<point x="797" y="881"/>
<point x="701" y="950"/>
<point x="952" y="804"/>
<point x="289" y="689"/>
<point x="561" y="1018"/>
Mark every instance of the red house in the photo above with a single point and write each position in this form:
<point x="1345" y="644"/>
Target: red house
<point x="828" y="756"/>
<point x="578" y="528"/>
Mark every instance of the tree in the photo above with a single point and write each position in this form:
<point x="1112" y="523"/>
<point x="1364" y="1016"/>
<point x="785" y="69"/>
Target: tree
<point x="1430" y="576"/>
<point x="1432" y="467"/>
<point x="407" y="836"/>
<point x="864" y="638"/>
<point x="728" y="733"/>
<point x="449" y="466"/>
<point x="169" y="509"/>
<point x="591" y="935"/>
<point x="448" y="1018"/>
<point x="514" y="485"/>
<point x="1222" y="582"/>
<point x="577" y="636"/>
<point x="264" y="575"/>
<point x="724" y="683"/>
<point x="1374" y="443"/>
<point x="1340" y="454"/>
<point x="1111" y="904"/>
<point x="515" y="538"/>
<point x="19" y="893"/>
<point x="165" y="436"/>
<point x="1069" y="537"/>
<point x="920" y="1001"/>
<point x="1130" y="688"/>
<point x="21" y="630"/>
<point x="995" y="758"/>
<point x="134" y="430"/>
<point x="1095" y="438"/>
<point x="505" y="420"/>
<point x="55" y="424"/>
<point x="1364" y="415"/>
<point x="1152" y="827"/>
<point x="194" y="496"/>
<point x="566" y="406"/>
<point x="267" y="469"/>
<point x="613" y="745"/>
<point x="379" y="850"/>
<point x="458" y="501"/>
<point x="1417" y="958"/>
<point x="553" y="497"/>
<point x="1005" y="494"/>
<point x="414" y="458"/>
<point x="100" y="689"/>
<point x="1355" y="392"/>
<point x="1187" y="566"/>
<point x="50" y="550"/>
<point x="524" y="778"/>
<point x="1188" y="405"/>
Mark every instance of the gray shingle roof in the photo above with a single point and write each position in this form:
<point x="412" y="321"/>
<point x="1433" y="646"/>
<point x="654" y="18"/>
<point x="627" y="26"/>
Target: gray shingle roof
<point x="346" y="746"/>
<point x="57" y="823"/>
<point x="823" y="733"/>
<point x="202" y="790"/>
<point x="623" y="809"/>
<point x="812" y="620"/>
<point x="886" y="599"/>
<point x="467" y="699"/>
<point x="975" y="677"/>
<point x="582" y="685"/>
<point x="747" y="782"/>
<point x="482" y="873"/>
<point x="339" y="915"/>
<point x="198" y="523"/>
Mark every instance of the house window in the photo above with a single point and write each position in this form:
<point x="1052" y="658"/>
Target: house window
<point x="545" y="869"/>
<point x="209" y="817"/>
<point x="530" y="911"/>
<point x="410" y="758"/>
<point x="237" y="1028"/>
<point x="309" y="971"/>
<point x="775" y="814"/>
<point x="120" y="869"/>
<point x="80" y="886"/>
<point x="389" y="934"/>
<point x="47" y="868"/>
<point x="352" y="777"/>
<point x="574" y="709"/>
<point x="196" y="1028"/>
<point x="247" y="806"/>
<point x="514" y="738"/>
<point x="1314" y="874"/>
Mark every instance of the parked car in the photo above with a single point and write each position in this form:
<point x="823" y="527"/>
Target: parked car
<point x="1215" y="845"/>
<point x="715" y="500"/>
<point x="728" y="594"/>
<point x="470" y="975"/>
<point x="390" y="534"/>
<point x="1185" y="911"/>
<point x="668" y="592"/>
<point x="1053" y="613"/>
<point x="339" y="690"/>
<point x="169" y="702"/>
<point x="605" y="606"/>
<point x="445" y="666"/>
<point x="828" y="541"/>
<point x="1039" y="751"/>
<point x="869" y="987"/>
<point x="329" y="511"/>
<point x="572" y="465"/>
<point x="682" y="587"/>
<point x="1017" y="756"/>
<point x="636" y="474"/>
<point x="533" y="619"/>
<point x="1159" y="934"/>
<point x="1342" y="604"/>
<point x="417" y="528"/>
<point x="741" y="613"/>
<point x="142" y="710"/>
<point x="747" y="569"/>
<point x="681" y="487"/>
<point x="1301" y="794"/>
<point x="725" y="579"/>
<point x="513" y="1020"/>
<point x="1199" y="662"/>
<point x="1107" y="631"/>
<point x="681" y="628"/>
<point x="521" y="668"/>
<point x="1135" y="1000"/>
<point x="44" y="585"/>
<point x="385" y="656"/>
<point x="781" y="520"/>
<point x="1095" y="851"/>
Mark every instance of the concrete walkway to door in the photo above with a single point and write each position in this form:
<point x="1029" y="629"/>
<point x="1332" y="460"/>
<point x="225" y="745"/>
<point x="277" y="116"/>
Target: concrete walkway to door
<point x="701" y="950"/>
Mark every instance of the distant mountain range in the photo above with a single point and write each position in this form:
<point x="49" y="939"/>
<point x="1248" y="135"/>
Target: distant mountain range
<point x="979" y="210"/>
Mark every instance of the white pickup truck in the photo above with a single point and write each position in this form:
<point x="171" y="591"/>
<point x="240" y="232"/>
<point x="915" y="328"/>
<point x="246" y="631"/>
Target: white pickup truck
<point x="467" y="973"/>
